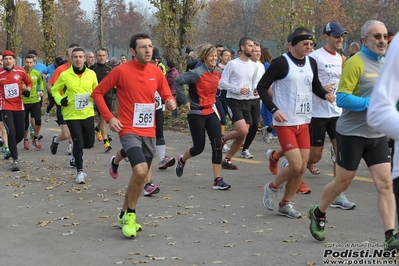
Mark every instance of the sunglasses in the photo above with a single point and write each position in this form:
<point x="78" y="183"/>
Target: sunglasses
<point x="378" y="36"/>
<point x="338" y="37"/>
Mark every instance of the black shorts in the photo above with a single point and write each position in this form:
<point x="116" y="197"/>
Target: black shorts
<point x="60" y="119"/>
<point x="318" y="128"/>
<point x="351" y="149"/>
<point x="239" y="109"/>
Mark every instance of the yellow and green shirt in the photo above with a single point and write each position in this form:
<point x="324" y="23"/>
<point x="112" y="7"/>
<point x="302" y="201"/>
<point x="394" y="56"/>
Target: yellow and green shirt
<point x="36" y="80"/>
<point x="78" y="89"/>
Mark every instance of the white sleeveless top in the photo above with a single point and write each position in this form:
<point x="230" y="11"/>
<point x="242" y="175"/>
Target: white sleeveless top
<point x="293" y="94"/>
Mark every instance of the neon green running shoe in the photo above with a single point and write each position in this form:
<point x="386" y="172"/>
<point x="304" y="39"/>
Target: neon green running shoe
<point x="316" y="224"/>
<point x="129" y="225"/>
<point x="392" y="243"/>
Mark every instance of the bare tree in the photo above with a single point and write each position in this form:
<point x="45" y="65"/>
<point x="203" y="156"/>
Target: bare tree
<point x="48" y="21"/>
<point x="175" y="29"/>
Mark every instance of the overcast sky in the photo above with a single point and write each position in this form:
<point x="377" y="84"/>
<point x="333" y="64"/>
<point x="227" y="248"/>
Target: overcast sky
<point x="89" y="5"/>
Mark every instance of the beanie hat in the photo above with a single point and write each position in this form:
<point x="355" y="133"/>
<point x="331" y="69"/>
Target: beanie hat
<point x="8" y="53"/>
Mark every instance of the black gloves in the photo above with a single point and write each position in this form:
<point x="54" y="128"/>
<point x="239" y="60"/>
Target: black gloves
<point x="26" y="93"/>
<point x="64" y="101"/>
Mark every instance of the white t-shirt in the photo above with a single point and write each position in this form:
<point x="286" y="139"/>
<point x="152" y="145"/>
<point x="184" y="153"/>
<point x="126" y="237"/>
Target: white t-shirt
<point x="239" y="74"/>
<point x="259" y="75"/>
<point x="329" y="67"/>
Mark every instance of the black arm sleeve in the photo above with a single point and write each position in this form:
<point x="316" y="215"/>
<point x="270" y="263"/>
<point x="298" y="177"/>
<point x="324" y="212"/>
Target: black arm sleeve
<point x="317" y="88"/>
<point x="278" y="69"/>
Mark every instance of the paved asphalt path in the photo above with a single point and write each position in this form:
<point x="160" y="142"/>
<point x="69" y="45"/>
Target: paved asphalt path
<point x="47" y="219"/>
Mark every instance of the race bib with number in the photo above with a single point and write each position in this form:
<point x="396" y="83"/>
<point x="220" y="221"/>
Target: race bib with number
<point x="143" y="115"/>
<point x="303" y="105"/>
<point x="11" y="91"/>
<point x="82" y="101"/>
<point x="335" y="81"/>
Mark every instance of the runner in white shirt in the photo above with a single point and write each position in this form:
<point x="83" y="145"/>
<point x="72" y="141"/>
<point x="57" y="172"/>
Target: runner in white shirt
<point x="254" y="101"/>
<point x="239" y="80"/>
<point x="326" y="114"/>
<point x="294" y="77"/>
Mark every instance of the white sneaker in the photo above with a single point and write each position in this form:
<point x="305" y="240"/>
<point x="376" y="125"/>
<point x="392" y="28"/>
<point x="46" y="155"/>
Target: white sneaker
<point x="245" y="154"/>
<point x="225" y="148"/>
<point x="265" y="135"/>
<point x="80" y="178"/>
<point x="69" y="149"/>
<point x="46" y="117"/>
<point x="283" y="162"/>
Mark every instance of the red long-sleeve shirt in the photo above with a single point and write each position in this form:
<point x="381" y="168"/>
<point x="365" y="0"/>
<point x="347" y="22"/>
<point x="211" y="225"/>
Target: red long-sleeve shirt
<point x="11" y="88"/>
<point x="135" y="83"/>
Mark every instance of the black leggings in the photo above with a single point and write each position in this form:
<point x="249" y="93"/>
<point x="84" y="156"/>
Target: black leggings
<point x="211" y="123"/>
<point x="159" y="120"/>
<point x="82" y="137"/>
<point x="51" y="103"/>
<point x="253" y="128"/>
<point x="15" y="126"/>
<point x="34" y="110"/>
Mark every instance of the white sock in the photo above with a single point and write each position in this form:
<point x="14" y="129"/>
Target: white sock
<point x="161" y="150"/>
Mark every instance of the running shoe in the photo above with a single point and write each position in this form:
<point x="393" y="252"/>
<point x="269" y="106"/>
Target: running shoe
<point x="98" y="135"/>
<point x="289" y="211"/>
<point x="282" y="163"/>
<point x="150" y="189"/>
<point x="227" y="164"/>
<point x="342" y="202"/>
<point x="26" y="144"/>
<point x="107" y="146"/>
<point x="121" y="220"/>
<point x="303" y="189"/>
<point x="36" y="143"/>
<point x="80" y="178"/>
<point x="269" y="197"/>
<point x="7" y="154"/>
<point x="218" y="183"/>
<point x="166" y="162"/>
<point x="15" y="166"/>
<point x="332" y="153"/>
<point x="313" y="169"/>
<point x="113" y="168"/>
<point x="46" y="117"/>
<point x="245" y="154"/>
<point x="72" y="162"/>
<point x="179" y="166"/>
<point x="31" y="132"/>
<point x="273" y="164"/>
<point x="225" y="148"/>
<point x="265" y="135"/>
<point x="317" y="225"/>
<point x="69" y="148"/>
<point x="392" y="243"/>
<point x="54" y="145"/>
<point x="129" y="227"/>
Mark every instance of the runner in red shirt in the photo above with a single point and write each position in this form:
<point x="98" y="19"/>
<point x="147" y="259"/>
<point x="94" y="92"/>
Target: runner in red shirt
<point x="14" y="82"/>
<point x="136" y="82"/>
